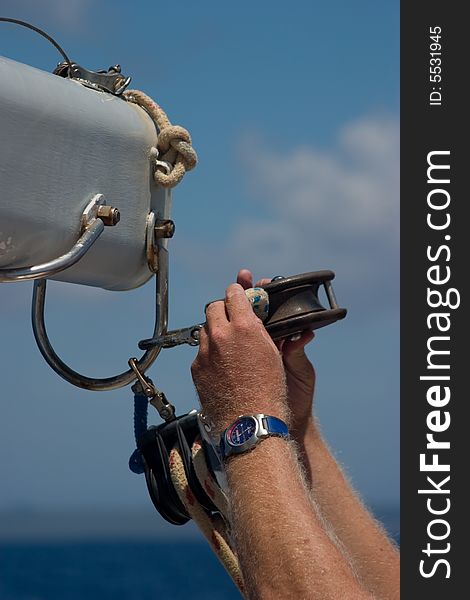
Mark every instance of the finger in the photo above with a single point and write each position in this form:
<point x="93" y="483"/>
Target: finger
<point x="203" y="342"/>
<point x="261" y="282"/>
<point x="297" y="347"/>
<point x="216" y="316"/>
<point x="237" y="305"/>
<point x="245" y="278"/>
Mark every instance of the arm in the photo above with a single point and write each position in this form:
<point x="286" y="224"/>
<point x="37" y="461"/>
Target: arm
<point x="283" y="548"/>
<point x="282" y="545"/>
<point x="374" y="557"/>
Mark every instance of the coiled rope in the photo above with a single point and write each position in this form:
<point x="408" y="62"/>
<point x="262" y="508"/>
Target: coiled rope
<point x="214" y="528"/>
<point x="174" y="154"/>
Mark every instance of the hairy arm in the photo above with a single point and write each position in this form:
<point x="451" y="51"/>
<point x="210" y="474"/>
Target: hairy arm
<point x="375" y="558"/>
<point x="373" y="555"/>
<point x="283" y="548"/>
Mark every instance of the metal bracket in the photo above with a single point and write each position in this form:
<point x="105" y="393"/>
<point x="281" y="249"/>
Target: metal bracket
<point x="156" y="398"/>
<point x="150" y="243"/>
<point x="111" y="81"/>
<point x="156" y="229"/>
<point x="93" y="220"/>
<point x="176" y="337"/>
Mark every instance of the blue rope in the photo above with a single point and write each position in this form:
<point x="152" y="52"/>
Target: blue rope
<point x="136" y="461"/>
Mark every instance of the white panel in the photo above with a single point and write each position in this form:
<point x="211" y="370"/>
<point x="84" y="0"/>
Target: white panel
<point x="60" y="144"/>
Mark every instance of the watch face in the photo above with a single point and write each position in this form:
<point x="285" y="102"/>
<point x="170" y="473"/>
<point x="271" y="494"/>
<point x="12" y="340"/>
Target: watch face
<point x="241" y="431"/>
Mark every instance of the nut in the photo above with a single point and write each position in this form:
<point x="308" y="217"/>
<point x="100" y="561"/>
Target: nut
<point x="164" y="229"/>
<point x="109" y="215"/>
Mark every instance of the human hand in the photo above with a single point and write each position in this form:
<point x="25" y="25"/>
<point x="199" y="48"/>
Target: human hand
<point x="238" y="369"/>
<point x="300" y="374"/>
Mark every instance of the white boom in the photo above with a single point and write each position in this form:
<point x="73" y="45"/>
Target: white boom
<point x="61" y="144"/>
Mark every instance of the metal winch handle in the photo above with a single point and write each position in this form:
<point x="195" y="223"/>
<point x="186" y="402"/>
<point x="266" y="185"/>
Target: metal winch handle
<point x="93" y="220"/>
<point x="107" y="383"/>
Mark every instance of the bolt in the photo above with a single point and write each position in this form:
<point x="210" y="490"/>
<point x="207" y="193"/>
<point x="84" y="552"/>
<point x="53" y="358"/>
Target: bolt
<point x="109" y="215"/>
<point x="164" y="229"/>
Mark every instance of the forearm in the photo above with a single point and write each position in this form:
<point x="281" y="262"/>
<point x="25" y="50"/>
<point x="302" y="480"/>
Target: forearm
<point x="283" y="548"/>
<point x="374" y="557"/>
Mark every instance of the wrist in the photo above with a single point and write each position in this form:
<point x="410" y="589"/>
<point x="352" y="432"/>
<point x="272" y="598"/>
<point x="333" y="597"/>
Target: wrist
<point x="261" y="460"/>
<point x="223" y="416"/>
<point x="302" y="427"/>
<point x="248" y="431"/>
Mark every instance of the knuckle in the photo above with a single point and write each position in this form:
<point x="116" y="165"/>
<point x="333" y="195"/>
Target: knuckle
<point x="210" y="308"/>
<point x="234" y="289"/>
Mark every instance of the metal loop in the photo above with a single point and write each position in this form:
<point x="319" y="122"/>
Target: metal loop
<point x="108" y="383"/>
<point x="160" y="164"/>
<point x="165" y="165"/>
<point x="92" y="227"/>
<point x="48" y="269"/>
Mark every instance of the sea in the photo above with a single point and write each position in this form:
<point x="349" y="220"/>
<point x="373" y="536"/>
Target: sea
<point x="60" y="568"/>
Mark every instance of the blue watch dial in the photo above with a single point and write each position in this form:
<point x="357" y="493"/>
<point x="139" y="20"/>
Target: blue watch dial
<point x="241" y="431"/>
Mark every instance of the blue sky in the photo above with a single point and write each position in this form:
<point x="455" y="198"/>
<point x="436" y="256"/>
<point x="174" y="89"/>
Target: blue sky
<point x="293" y="110"/>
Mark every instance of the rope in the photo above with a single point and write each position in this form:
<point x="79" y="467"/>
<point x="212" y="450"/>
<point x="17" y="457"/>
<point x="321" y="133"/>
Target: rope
<point x="174" y="143"/>
<point x="136" y="461"/>
<point x="213" y="527"/>
<point x="207" y="481"/>
<point x="259" y="299"/>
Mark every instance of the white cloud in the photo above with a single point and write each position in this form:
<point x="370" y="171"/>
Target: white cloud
<point x="332" y="208"/>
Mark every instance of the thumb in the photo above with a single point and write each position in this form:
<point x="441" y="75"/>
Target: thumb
<point x="296" y="349"/>
<point x="296" y="361"/>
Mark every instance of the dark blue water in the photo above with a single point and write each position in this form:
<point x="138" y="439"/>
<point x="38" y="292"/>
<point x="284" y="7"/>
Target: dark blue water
<point x="119" y="570"/>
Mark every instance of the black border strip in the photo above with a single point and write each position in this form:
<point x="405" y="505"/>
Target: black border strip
<point x="425" y="128"/>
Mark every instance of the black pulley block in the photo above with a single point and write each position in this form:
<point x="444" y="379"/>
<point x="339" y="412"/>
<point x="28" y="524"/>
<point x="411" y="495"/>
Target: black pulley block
<point x="294" y="304"/>
<point x="155" y="446"/>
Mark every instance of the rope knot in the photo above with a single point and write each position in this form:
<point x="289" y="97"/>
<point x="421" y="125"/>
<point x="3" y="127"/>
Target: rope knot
<point x="174" y="146"/>
<point x="174" y="143"/>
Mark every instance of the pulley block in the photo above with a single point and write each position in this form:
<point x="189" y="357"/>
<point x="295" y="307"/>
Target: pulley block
<point x="294" y="304"/>
<point x="287" y="306"/>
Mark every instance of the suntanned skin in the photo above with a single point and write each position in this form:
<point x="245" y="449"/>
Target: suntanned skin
<point x="374" y="557"/>
<point x="285" y="548"/>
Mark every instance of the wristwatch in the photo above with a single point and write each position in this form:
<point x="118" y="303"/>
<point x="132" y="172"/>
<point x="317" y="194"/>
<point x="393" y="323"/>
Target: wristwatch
<point x="248" y="430"/>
